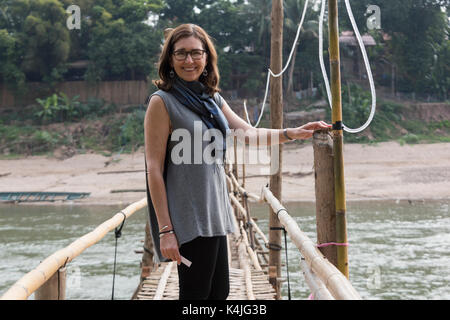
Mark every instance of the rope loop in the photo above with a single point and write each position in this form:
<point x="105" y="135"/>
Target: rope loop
<point x="118" y="231"/>
<point x="273" y="246"/>
<point x="282" y="209"/>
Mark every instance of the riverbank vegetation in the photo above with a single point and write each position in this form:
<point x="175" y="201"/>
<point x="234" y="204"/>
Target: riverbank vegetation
<point x="121" y="40"/>
<point x="103" y="127"/>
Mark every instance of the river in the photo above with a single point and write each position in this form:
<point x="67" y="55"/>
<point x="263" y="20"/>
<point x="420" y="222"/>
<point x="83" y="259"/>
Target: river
<point x="397" y="250"/>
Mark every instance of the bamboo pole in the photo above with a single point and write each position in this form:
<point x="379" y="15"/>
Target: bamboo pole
<point x="338" y="138"/>
<point x="244" y="264"/>
<point x="232" y="181"/>
<point x="334" y="280"/>
<point x="243" y="234"/>
<point x="324" y="191"/>
<point x="243" y="252"/>
<point x="318" y="288"/>
<point x="242" y="190"/>
<point x="54" y="288"/>
<point x="276" y="114"/>
<point x="235" y="164"/>
<point x="237" y="232"/>
<point x="250" y="251"/>
<point x="163" y="281"/>
<point x="229" y="250"/>
<point x="243" y="165"/>
<point x="258" y="231"/>
<point x="238" y="205"/>
<point x="147" y="256"/>
<point x="34" y="279"/>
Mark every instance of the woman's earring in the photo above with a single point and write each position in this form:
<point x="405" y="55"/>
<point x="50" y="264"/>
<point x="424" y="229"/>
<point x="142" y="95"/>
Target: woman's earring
<point x="205" y="72"/>
<point x="171" y="74"/>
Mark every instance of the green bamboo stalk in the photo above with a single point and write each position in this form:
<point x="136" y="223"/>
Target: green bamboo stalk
<point x="336" y="119"/>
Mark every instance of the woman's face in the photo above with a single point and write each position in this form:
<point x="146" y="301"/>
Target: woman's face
<point x="189" y="69"/>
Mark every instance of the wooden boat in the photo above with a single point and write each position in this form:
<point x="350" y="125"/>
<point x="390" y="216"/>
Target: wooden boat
<point x="27" y="196"/>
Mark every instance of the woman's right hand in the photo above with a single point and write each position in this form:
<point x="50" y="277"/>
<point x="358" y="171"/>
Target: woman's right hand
<point x="169" y="247"/>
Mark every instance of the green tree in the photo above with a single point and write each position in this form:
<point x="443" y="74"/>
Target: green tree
<point x="44" y="38"/>
<point x="439" y="77"/>
<point x="40" y="37"/>
<point x="176" y="12"/>
<point x="293" y="10"/>
<point x="121" y="45"/>
<point x="229" y="25"/>
<point x="10" y="73"/>
<point x="417" y="28"/>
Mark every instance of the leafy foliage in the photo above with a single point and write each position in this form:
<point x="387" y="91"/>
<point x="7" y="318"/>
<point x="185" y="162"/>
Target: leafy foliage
<point x="419" y="32"/>
<point x="132" y="131"/>
<point x="120" y="43"/>
<point x="121" y="46"/>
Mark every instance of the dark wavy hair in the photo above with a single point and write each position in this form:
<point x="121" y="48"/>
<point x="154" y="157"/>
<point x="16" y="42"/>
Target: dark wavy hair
<point x="211" y="81"/>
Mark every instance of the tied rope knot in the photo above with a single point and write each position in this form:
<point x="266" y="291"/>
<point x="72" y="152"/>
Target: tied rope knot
<point x="321" y="245"/>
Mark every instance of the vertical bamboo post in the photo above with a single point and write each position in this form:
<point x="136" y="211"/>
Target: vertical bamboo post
<point x="243" y="174"/>
<point x="276" y="114"/>
<point x="324" y="187"/>
<point x="338" y="137"/>
<point x="251" y="234"/>
<point x="235" y="164"/>
<point x="54" y="288"/>
<point x="243" y="164"/>
<point x="244" y="200"/>
<point x="147" y="256"/>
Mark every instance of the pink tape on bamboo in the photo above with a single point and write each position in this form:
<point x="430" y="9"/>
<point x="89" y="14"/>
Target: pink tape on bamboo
<point x="345" y="244"/>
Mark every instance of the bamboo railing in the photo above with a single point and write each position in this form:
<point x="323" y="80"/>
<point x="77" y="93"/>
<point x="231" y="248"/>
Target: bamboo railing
<point x="333" y="279"/>
<point x="323" y="278"/>
<point x="318" y="289"/>
<point x="34" y="279"/>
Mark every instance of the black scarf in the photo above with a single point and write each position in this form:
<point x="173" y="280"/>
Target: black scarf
<point x="193" y="95"/>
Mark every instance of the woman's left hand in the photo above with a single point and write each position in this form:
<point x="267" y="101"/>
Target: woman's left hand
<point x="306" y="131"/>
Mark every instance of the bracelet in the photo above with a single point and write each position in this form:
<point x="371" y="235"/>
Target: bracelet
<point x="165" y="232"/>
<point x="165" y="227"/>
<point x="286" y="135"/>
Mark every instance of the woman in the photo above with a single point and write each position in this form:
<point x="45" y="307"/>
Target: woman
<point x="190" y="212"/>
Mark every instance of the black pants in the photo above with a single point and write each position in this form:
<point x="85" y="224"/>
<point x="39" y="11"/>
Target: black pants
<point x="208" y="277"/>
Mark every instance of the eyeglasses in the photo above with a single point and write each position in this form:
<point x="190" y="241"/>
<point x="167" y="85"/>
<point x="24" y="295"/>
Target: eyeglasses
<point x="196" y="54"/>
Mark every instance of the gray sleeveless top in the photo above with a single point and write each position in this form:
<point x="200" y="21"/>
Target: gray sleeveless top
<point x="196" y="189"/>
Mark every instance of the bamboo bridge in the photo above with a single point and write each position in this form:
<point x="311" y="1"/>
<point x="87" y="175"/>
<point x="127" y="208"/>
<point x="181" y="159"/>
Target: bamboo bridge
<point x="251" y="277"/>
<point x="254" y="259"/>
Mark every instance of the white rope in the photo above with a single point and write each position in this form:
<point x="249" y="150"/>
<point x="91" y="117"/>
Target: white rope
<point x="368" y="69"/>
<point x="270" y="73"/>
<point x="322" y="66"/>
<point x="366" y="63"/>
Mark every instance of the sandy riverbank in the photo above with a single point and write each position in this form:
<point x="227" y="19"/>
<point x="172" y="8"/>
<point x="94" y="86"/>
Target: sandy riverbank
<point x="384" y="171"/>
